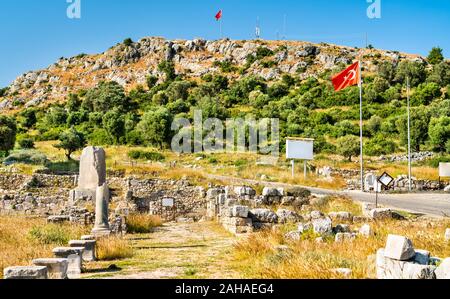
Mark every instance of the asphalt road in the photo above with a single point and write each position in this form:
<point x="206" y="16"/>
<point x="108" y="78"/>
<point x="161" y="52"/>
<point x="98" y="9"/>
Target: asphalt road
<point x="431" y="204"/>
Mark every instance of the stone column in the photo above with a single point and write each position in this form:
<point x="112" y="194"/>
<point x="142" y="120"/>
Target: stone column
<point x="101" y="227"/>
<point x="91" y="175"/>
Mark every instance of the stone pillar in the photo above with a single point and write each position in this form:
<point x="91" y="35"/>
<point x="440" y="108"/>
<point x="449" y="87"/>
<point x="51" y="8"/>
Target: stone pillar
<point x="92" y="173"/>
<point x="101" y="227"/>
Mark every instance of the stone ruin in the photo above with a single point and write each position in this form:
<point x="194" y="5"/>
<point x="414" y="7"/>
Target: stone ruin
<point x="92" y="174"/>
<point x="399" y="260"/>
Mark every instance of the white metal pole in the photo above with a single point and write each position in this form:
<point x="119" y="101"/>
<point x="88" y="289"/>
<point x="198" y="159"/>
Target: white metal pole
<point x="409" y="135"/>
<point x="293" y="168"/>
<point x="361" y="127"/>
<point x="305" y="171"/>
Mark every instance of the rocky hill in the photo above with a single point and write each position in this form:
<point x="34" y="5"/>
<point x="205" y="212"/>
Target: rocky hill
<point x="130" y="63"/>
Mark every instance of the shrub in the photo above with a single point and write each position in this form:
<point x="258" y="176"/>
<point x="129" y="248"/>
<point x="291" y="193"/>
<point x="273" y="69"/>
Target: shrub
<point x="113" y="248"/>
<point x="26" y="143"/>
<point x="143" y="155"/>
<point x="380" y="146"/>
<point x="100" y="137"/>
<point x="50" y="234"/>
<point x="141" y="223"/>
<point x="434" y="162"/>
<point x="8" y="130"/>
<point x="128" y="42"/>
<point x="26" y="157"/>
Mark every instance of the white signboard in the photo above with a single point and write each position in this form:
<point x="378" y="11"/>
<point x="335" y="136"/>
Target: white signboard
<point x="386" y="179"/>
<point x="301" y="149"/>
<point x="168" y="202"/>
<point x="444" y="170"/>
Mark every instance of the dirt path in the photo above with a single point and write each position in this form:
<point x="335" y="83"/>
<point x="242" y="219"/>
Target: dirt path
<point x="175" y="250"/>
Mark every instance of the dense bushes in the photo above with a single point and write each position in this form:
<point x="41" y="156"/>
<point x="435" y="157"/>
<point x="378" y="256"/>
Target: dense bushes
<point x="26" y="157"/>
<point x="107" y="115"/>
<point x="144" y="155"/>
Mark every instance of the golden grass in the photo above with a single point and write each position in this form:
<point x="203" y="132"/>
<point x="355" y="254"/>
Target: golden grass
<point x="23" y="239"/>
<point x="113" y="248"/>
<point x="142" y="223"/>
<point x="238" y="164"/>
<point x="257" y="257"/>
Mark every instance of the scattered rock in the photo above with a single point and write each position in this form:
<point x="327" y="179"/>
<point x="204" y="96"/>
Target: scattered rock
<point x="322" y="226"/>
<point x="343" y="237"/>
<point x="399" y="248"/>
<point x="366" y="231"/>
<point x="287" y="216"/>
<point x="344" y="272"/>
<point x="443" y="271"/>
<point x="342" y="228"/>
<point x="341" y="216"/>
<point x="263" y="216"/>
<point x="239" y="211"/>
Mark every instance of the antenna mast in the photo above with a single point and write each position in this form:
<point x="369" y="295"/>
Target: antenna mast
<point x="258" y="29"/>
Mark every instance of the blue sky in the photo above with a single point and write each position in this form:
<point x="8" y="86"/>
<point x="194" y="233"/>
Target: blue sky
<point x="35" y="33"/>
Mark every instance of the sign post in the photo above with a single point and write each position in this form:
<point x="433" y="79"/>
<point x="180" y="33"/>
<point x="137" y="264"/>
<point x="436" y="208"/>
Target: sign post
<point x="300" y="149"/>
<point x="385" y="180"/>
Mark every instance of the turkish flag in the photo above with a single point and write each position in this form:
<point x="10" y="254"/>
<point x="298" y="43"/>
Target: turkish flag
<point x="348" y="77"/>
<point x="219" y="15"/>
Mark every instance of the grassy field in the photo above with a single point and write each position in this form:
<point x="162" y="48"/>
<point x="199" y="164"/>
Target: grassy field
<point x="308" y="259"/>
<point x="196" y="167"/>
<point x="23" y="239"/>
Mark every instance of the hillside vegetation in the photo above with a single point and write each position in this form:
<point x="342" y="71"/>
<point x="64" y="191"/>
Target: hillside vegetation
<point x="234" y="82"/>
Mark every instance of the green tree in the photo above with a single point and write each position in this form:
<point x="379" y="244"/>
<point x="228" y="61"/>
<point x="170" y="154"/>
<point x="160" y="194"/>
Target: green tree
<point x="413" y="70"/>
<point x="154" y="127"/>
<point x="425" y="93"/>
<point x="114" y="124"/>
<point x="128" y="42"/>
<point x="386" y="70"/>
<point x="28" y="118"/>
<point x="106" y="96"/>
<point x="71" y="140"/>
<point x="435" y="56"/>
<point x="168" y="68"/>
<point x="151" y="81"/>
<point x="73" y="103"/>
<point x="440" y="74"/>
<point x="419" y="127"/>
<point x="380" y="145"/>
<point x="348" y="146"/>
<point x="8" y="131"/>
<point x="439" y="132"/>
<point x="374" y="124"/>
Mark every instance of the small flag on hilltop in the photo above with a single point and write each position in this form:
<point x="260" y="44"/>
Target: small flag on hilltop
<point x="348" y="77"/>
<point x="219" y="15"/>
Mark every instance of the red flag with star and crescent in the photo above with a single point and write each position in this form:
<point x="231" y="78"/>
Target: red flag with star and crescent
<point x="219" y="15"/>
<point x="346" y="78"/>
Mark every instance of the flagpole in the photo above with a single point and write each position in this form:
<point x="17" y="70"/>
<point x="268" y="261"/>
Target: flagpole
<point x="361" y="127"/>
<point x="220" y="24"/>
<point x="409" y="136"/>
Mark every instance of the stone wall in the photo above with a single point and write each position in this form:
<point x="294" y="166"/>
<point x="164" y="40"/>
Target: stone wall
<point x="48" y="195"/>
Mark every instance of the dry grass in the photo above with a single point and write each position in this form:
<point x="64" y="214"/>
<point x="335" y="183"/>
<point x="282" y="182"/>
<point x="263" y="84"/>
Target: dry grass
<point x="113" y="248"/>
<point x="257" y="257"/>
<point x="142" y="223"/>
<point x="23" y="239"/>
<point x="238" y="164"/>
